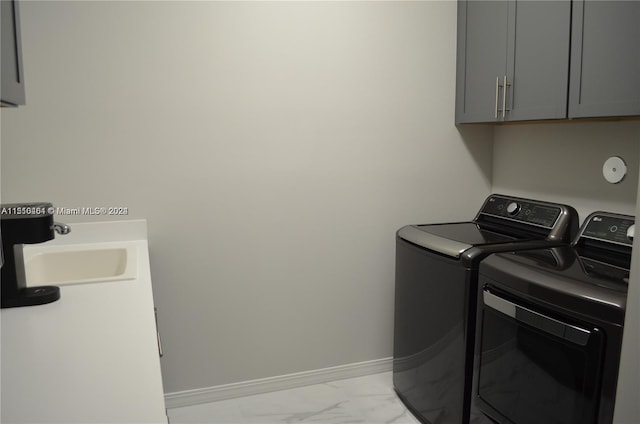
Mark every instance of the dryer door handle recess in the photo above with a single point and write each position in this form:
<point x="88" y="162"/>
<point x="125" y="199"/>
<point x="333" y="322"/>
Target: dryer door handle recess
<point x="569" y="332"/>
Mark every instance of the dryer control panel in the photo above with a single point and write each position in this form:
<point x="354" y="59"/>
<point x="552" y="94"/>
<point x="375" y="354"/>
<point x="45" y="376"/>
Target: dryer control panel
<point x="610" y="228"/>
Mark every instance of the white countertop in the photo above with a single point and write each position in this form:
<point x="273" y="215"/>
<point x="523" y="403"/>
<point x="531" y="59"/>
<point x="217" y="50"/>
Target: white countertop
<point x="91" y="356"/>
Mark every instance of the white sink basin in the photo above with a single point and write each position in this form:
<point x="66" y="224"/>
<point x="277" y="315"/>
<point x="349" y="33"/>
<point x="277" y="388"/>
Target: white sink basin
<point x="75" y="266"/>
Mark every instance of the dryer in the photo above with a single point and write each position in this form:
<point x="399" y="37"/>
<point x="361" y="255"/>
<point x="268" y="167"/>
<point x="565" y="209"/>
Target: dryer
<point x="549" y="328"/>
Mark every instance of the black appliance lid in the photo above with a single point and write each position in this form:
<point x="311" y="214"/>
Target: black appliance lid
<point x="568" y="262"/>
<point x="454" y="238"/>
<point x="590" y="277"/>
<point x="501" y="220"/>
<point x="467" y="232"/>
<point x="560" y="277"/>
<point x="602" y="248"/>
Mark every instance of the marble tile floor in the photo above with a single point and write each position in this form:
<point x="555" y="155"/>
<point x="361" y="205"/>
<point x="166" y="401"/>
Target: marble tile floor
<point x="368" y="400"/>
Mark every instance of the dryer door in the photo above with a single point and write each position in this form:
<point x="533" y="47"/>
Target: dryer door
<point x="536" y="367"/>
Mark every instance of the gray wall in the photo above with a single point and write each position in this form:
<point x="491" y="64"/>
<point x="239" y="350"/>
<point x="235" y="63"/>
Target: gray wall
<point x="274" y="148"/>
<point x="563" y="162"/>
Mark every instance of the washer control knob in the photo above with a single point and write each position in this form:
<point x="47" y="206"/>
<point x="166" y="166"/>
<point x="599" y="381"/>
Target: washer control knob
<point x="513" y="208"/>
<point x="630" y="232"/>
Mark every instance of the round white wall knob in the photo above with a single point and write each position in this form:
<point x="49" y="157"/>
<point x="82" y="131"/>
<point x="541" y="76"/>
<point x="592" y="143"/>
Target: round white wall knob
<point x="614" y="169"/>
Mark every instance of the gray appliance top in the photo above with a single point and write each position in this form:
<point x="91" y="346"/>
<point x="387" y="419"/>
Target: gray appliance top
<point x="589" y="277"/>
<point x="501" y="220"/>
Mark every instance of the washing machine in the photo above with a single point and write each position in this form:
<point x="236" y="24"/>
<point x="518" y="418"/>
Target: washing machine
<point x="436" y="287"/>
<point x="549" y="328"/>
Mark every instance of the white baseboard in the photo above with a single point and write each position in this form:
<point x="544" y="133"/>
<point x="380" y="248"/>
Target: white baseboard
<point x="271" y="384"/>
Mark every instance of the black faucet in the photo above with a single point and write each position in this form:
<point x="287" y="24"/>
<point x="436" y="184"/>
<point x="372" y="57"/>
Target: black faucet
<point x="20" y="224"/>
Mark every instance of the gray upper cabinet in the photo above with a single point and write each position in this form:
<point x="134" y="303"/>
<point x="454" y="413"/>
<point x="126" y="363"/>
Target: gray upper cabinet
<point x="605" y="59"/>
<point x="12" y="91"/>
<point x="513" y="60"/>
<point x="482" y="60"/>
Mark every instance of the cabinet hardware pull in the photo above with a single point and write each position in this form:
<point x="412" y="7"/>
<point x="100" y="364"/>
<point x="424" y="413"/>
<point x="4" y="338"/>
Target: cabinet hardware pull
<point x="504" y="97"/>
<point x="160" y="350"/>
<point x="497" y="91"/>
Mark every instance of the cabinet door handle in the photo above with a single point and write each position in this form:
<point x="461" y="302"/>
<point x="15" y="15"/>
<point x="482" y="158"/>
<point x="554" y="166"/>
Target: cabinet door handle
<point x="160" y="351"/>
<point x="504" y="97"/>
<point x="497" y="92"/>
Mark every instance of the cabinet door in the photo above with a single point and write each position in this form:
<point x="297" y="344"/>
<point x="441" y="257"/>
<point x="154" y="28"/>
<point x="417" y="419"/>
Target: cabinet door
<point x="605" y="59"/>
<point x="12" y="76"/>
<point x="481" y="59"/>
<point x="538" y="60"/>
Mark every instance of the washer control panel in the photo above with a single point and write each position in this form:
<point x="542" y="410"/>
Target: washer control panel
<point x="608" y="227"/>
<point x="522" y="210"/>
